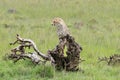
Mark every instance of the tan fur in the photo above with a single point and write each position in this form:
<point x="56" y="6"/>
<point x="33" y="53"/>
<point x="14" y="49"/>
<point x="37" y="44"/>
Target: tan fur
<point x="62" y="29"/>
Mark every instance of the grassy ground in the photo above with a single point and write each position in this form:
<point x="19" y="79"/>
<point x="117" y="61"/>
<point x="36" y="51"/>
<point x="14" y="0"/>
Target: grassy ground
<point x="98" y="33"/>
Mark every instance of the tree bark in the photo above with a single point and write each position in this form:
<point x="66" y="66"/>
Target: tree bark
<point x="72" y="60"/>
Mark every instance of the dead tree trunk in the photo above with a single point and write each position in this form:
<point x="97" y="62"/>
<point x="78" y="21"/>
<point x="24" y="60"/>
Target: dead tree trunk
<point x="56" y="56"/>
<point x="72" y="60"/>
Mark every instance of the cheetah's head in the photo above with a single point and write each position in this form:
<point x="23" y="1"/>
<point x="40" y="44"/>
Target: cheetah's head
<point x="58" y="22"/>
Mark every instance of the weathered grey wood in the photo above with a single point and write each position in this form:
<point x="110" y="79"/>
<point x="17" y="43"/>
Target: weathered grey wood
<point x="28" y="43"/>
<point x="20" y="53"/>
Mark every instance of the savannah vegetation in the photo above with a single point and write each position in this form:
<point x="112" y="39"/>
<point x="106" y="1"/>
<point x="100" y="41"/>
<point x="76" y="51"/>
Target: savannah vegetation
<point x="95" y="25"/>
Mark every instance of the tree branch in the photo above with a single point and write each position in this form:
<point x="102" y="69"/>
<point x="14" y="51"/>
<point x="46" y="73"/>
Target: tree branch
<point x="28" y="43"/>
<point x="23" y="43"/>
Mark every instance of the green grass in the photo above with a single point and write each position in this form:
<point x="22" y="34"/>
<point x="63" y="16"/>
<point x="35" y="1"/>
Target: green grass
<point x="99" y="36"/>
